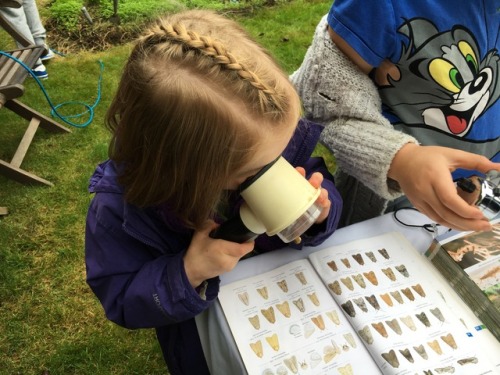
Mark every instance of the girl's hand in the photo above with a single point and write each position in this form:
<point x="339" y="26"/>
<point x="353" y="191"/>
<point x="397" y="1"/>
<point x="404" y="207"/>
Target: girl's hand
<point x="315" y="180"/>
<point x="206" y="257"/>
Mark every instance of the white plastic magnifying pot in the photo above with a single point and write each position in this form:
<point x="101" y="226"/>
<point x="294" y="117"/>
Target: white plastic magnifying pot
<point x="278" y="201"/>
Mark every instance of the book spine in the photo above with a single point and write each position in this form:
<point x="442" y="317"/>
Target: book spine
<point x="468" y="290"/>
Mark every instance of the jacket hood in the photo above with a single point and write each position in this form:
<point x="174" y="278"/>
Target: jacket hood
<point x="104" y="179"/>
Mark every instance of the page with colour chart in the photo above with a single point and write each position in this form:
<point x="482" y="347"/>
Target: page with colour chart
<point x="285" y="322"/>
<point x="405" y="313"/>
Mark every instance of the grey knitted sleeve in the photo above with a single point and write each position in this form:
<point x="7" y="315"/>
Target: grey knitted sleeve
<point x="337" y="94"/>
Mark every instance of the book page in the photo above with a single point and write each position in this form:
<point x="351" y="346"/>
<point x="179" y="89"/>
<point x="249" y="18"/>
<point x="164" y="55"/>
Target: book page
<point x="478" y="254"/>
<point x="400" y="308"/>
<point x="285" y="322"/>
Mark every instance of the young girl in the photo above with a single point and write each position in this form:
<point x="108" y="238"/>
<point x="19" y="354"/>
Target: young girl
<point x="199" y="109"/>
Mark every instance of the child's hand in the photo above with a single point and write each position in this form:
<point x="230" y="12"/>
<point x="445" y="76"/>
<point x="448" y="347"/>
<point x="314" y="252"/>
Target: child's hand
<point x="423" y="173"/>
<point x="315" y="180"/>
<point x="206" y="257"/>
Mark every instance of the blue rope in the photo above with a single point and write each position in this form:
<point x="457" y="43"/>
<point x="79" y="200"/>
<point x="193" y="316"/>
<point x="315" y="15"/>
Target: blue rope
<point x="57" y="52"/>
<point x="54" y="112"/>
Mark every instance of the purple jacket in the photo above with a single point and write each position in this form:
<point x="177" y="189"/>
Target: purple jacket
<point x="134" y="258"/>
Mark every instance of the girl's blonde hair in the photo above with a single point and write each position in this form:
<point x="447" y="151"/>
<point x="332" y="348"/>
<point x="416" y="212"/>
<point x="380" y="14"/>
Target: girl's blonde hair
<point x="195" y="97"/>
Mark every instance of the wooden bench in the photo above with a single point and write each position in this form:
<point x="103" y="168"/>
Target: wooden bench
<point x="12" y="76"/>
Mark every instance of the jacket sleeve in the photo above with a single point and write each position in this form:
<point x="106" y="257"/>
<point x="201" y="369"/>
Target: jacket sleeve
<point x="139" y="284"/>
<point x="298" y="153"/>
<point x="338" y="95"/>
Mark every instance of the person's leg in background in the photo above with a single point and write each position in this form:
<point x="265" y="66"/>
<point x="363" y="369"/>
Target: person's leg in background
<point x="19" y="21"/>
<point x="36" y="28"/>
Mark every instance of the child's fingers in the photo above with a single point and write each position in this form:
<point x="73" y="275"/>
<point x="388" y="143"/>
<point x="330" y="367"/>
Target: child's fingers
<point x="325" y="203"/>
<point x="301" y="170"/>
<point x="323" y="198"/>
<point x="316" y="179"/>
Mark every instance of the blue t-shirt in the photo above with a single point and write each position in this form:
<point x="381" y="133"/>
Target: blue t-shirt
<point x="447" y="54"/>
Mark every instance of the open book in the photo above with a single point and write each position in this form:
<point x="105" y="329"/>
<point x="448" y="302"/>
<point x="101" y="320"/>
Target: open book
<point x="372" y="306"/>
<point x="470" y="261"/>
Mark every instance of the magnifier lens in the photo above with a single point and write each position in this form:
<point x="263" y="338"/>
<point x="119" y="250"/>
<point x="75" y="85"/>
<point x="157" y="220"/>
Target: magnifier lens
<point x="299" y="226"/>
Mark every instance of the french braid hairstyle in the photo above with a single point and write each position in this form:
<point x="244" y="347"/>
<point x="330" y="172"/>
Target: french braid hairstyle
<point x="196" y="96"/>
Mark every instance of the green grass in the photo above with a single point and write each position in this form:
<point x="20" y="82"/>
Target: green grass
<point x="286" y="31"/>
<point x="49" y="319"/>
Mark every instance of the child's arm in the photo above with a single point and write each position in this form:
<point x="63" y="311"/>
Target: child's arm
<point x="336" y="93"/>
<point x="137" y="270"/>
